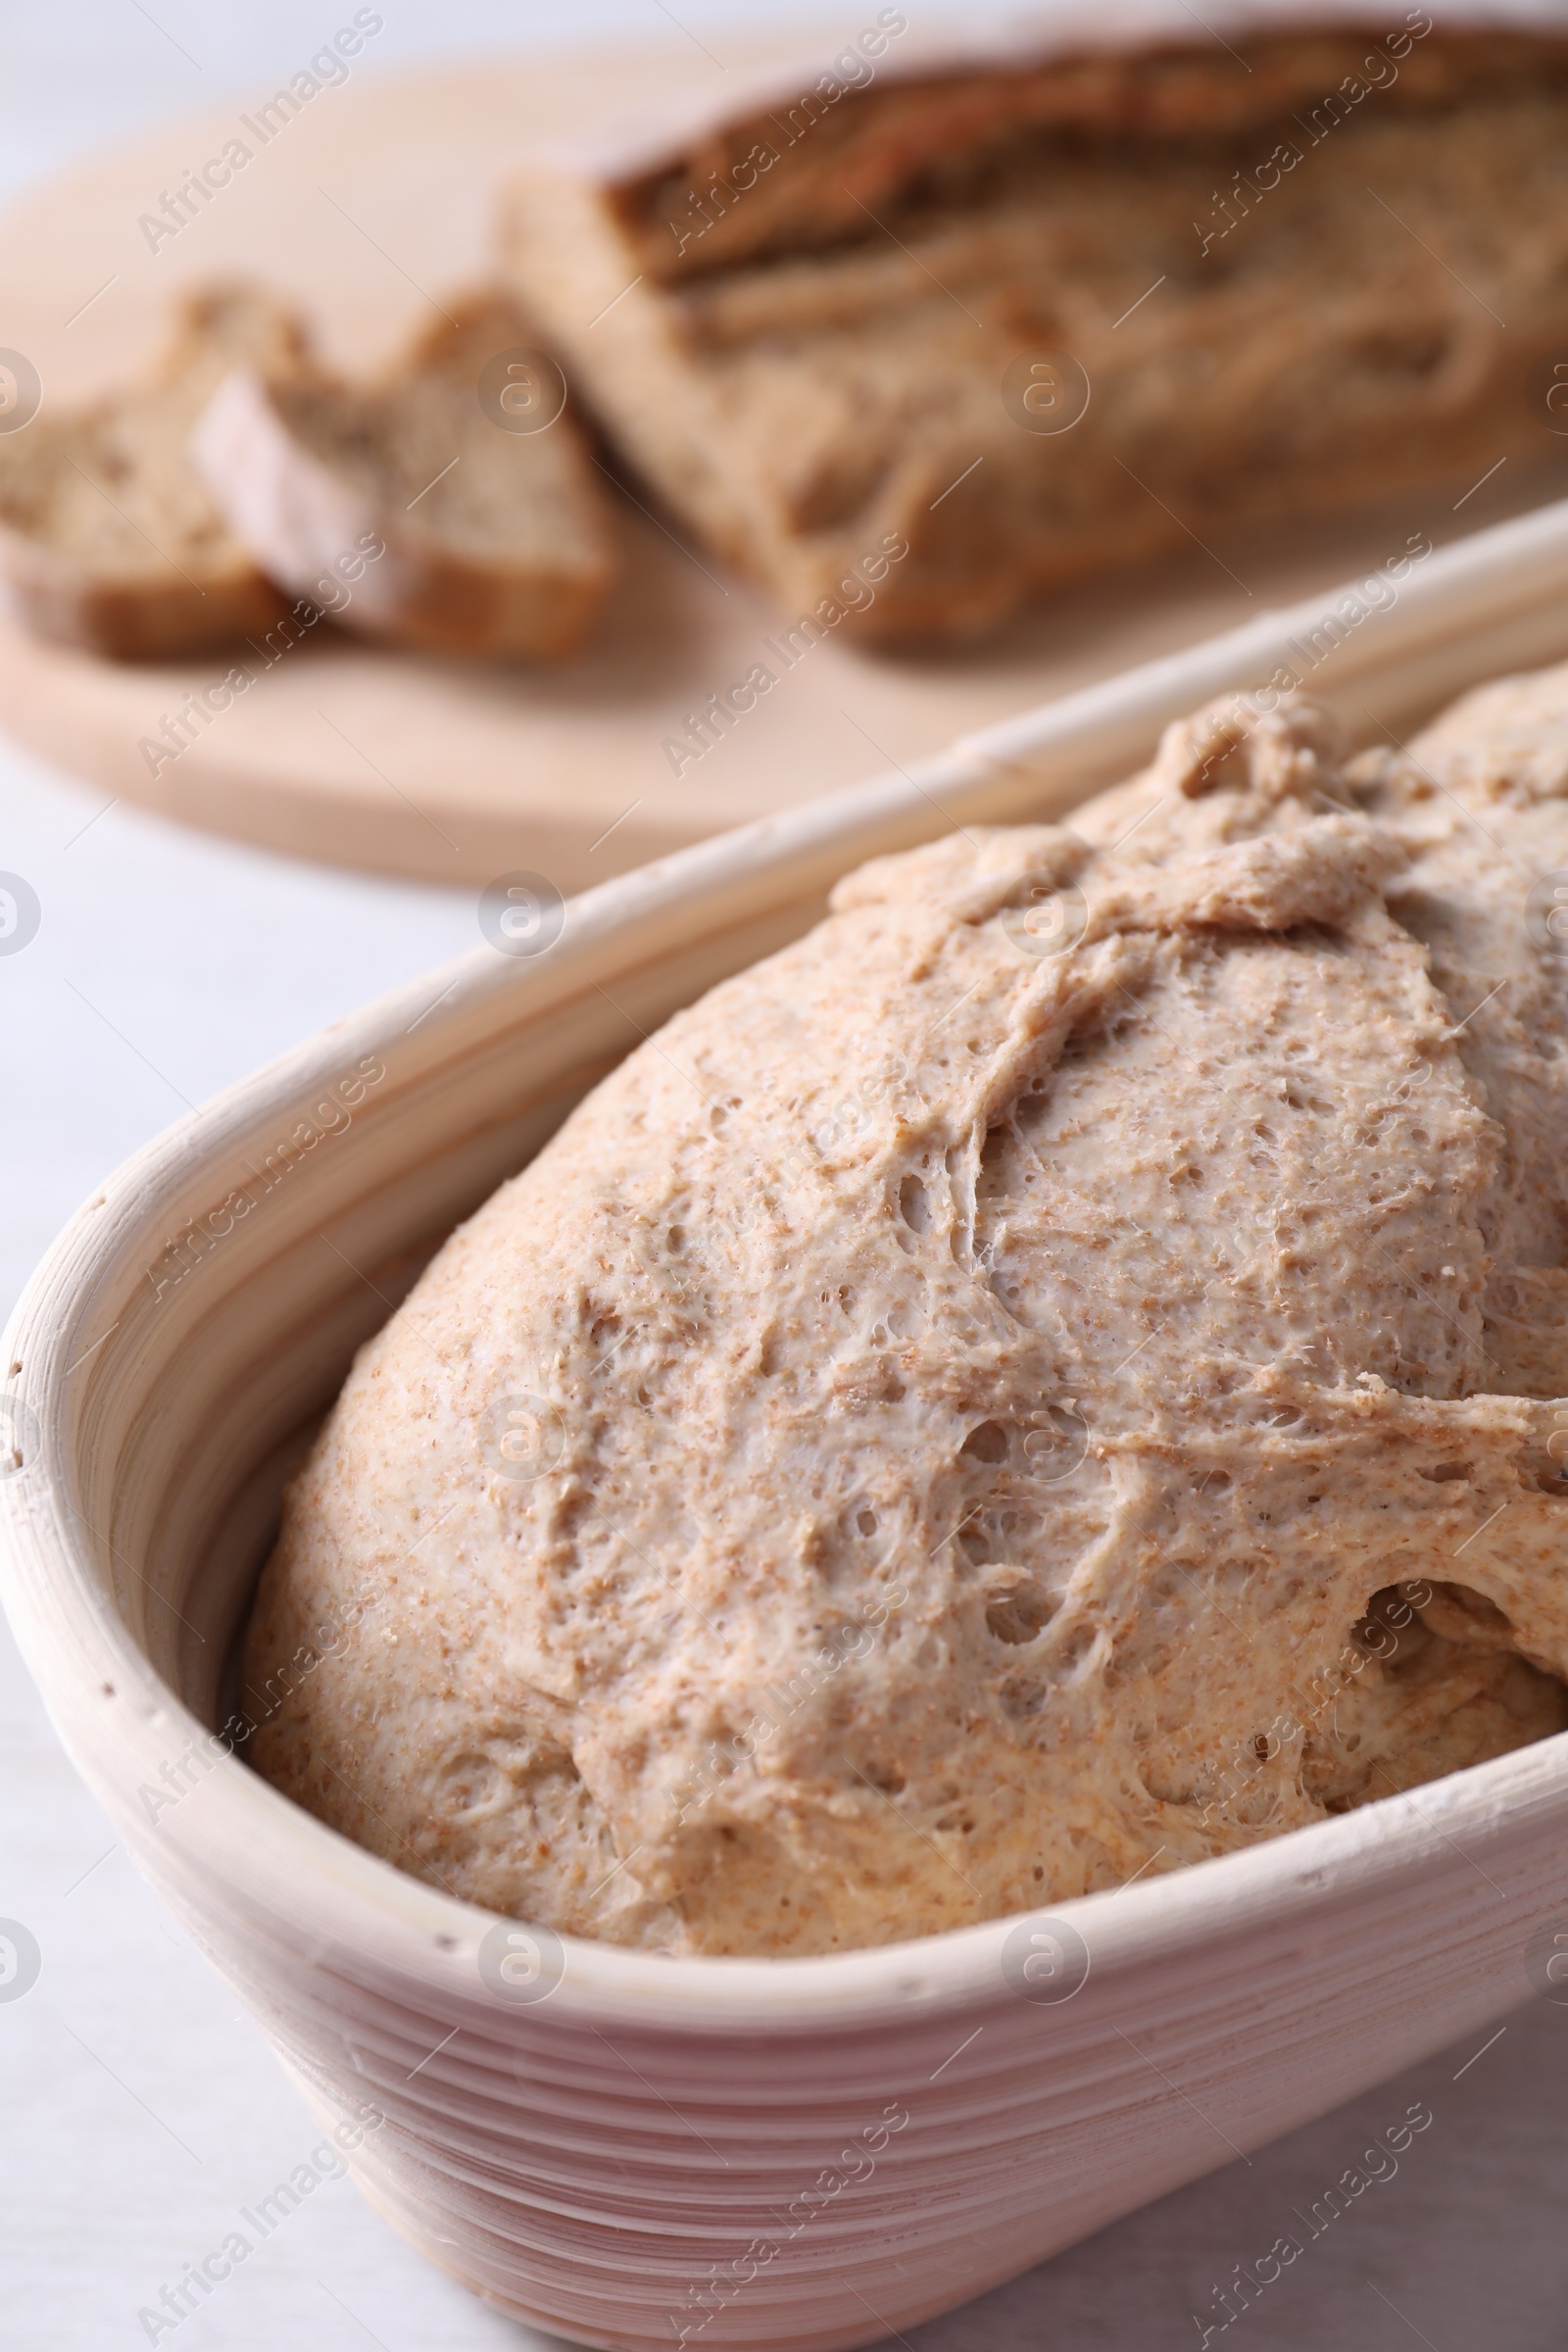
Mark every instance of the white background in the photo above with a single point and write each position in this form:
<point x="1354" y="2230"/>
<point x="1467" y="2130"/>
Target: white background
<point x="139" y="2110"/>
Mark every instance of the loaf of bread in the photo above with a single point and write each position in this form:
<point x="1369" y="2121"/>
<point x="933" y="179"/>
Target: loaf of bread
<point x="1040" y="308"/>
<point x="481" y="494"/>
<point x="108" y="537"/>
<point x="1058" y="1373"/>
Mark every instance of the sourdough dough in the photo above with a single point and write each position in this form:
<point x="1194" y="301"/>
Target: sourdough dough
<point x="1049" y="1376"/>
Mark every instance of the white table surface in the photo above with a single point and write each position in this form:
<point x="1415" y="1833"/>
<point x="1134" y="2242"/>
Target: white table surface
<point x="139" y="2110"/>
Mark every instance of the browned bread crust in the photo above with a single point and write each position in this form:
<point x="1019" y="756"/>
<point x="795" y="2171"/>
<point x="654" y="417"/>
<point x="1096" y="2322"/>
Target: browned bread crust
<point x="935" y="136"/>
<point x="1278" y="290"/>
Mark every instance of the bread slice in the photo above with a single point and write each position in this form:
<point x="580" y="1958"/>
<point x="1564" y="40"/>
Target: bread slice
<point x="477" y="491"/>
<point x="108" y="538"/>
<point x="1030" y="312"/>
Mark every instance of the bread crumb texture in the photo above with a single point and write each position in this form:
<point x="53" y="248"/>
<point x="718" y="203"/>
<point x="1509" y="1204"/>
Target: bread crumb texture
<point x="108" y="537"/>
<point x="1055" y="1374"/>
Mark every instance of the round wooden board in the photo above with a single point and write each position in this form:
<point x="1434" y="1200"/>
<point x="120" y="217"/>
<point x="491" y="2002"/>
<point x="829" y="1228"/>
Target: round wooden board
<point x="373" y="199"/>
